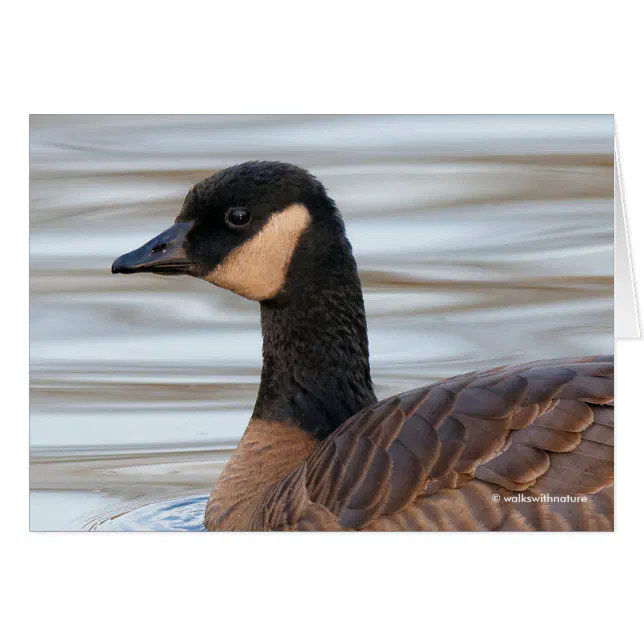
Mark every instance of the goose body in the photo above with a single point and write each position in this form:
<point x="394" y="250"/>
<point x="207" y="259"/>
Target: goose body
<point x="521" y="447"/>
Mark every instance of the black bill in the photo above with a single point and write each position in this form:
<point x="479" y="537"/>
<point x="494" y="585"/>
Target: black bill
<point x="165" y="254"/>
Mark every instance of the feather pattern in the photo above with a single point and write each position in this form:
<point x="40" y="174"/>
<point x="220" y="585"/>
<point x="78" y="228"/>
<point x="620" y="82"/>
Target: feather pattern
<point x="492" y="450"/>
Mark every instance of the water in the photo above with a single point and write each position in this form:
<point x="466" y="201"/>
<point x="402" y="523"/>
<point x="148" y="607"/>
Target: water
<point x="481" y="241"/>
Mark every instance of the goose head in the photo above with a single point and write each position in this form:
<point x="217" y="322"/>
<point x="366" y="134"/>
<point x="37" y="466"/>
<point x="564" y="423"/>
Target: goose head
<point x="239" y="230"/>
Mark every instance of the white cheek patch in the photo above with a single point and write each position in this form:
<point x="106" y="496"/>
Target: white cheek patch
<point x="257" y="269"/>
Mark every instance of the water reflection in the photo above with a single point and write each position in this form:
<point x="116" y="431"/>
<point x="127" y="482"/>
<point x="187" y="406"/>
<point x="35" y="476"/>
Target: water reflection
<point x="178" y="515"/>
<point x="481" y="241"/>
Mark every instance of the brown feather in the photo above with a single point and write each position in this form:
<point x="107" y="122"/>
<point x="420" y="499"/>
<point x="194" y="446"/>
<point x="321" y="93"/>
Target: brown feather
<point x="468" y="453"/>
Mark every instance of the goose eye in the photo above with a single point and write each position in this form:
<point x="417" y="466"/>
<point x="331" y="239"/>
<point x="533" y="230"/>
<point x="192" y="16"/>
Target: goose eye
<point x="238" y="217"/>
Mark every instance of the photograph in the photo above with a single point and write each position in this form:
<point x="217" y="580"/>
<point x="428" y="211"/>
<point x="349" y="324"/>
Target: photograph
<point x="379" y="323"/>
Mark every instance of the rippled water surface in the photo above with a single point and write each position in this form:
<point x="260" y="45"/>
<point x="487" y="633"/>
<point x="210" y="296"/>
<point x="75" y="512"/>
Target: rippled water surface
<point x="481" y="241"/>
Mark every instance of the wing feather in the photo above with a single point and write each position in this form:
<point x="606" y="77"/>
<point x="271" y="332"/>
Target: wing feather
<point x="436" y="457"/>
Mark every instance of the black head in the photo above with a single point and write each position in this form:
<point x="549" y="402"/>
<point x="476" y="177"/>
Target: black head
<point x="239" y="229"/>
<point x="269" y="232"/>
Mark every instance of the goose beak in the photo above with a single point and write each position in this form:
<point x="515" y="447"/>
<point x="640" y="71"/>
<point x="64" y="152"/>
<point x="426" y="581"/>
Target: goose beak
<point x="165" y="254"/>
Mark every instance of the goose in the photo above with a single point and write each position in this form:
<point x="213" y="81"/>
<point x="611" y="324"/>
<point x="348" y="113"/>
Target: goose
<point x="516" y="448"/>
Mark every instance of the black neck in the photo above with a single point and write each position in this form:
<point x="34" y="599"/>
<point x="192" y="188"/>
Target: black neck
<point x="315" y="371"/>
